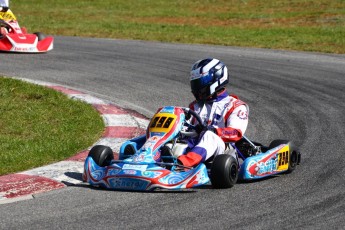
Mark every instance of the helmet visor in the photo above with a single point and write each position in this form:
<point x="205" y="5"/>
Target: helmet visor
<point x="200" y="86"/>
<point x="200" y="82"/>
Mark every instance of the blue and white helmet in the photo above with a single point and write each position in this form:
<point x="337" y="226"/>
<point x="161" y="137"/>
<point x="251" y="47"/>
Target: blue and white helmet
<point x="207" y="77"/>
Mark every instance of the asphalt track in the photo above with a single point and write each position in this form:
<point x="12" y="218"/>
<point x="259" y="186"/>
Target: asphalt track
<point x="292" y="95"/>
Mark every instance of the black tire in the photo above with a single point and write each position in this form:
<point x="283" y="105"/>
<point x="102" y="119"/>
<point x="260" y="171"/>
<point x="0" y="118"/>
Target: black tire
<point x="102" y="155"/>
<point x="295" y="156"/>
<point x="224" y="171"/>
<point x="40" y="36"/>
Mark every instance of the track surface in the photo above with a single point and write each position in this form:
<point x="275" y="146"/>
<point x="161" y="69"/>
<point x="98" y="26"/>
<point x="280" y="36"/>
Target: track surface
<point x="292" y="95"/>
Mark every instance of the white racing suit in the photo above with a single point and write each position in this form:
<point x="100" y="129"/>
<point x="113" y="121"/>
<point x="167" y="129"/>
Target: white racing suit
<point x="228" y="115"/>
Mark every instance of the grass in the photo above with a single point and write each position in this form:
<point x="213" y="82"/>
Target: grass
<point x="308" y="25"/>
<point x="39" y="126"/>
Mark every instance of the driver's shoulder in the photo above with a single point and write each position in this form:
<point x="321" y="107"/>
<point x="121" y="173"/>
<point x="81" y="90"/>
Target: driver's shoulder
<point x="235" y="100"/>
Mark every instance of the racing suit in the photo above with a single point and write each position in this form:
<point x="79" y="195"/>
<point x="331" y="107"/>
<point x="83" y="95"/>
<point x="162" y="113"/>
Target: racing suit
<point x="227" y="117"/>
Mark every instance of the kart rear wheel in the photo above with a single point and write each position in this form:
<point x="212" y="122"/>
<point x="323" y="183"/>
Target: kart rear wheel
<point x="40" y="36"/>
<point x="102" y="155"/>
<point x="224" y="171"/>
<point x="295" y="156"/>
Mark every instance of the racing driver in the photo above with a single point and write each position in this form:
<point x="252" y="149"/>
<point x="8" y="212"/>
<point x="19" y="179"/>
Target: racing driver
<point x="225" y="117"/>
<point x="4" y="7"/>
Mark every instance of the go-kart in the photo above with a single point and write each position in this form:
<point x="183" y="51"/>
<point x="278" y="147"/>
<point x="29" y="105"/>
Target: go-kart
<point x="13" y="38"/>
<point x="150" y="161"/>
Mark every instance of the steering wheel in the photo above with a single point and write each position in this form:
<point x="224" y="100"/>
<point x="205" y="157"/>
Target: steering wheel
<point x="192" y="113"/>
<point x="4" y="24"/>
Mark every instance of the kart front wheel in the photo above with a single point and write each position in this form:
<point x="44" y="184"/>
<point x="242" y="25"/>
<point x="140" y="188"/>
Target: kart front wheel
<point x="40" y="36"/>
<point x="102" y="155"/>
<point x="224" y="171"/>
<point x="294" y="154"/>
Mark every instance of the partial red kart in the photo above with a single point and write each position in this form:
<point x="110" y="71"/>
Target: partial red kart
<point x="13" y="38"/>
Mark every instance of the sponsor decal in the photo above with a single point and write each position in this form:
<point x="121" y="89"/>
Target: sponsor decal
<point x="263" y="166"/>
<point x="134" y="167"/>
<point x="226" y="132"/>
<point x="243" y="115"/>
<point x="23" y="49"/>
<point x="275" y="162"/>
<point x="128" y="183"/>
<point x="129" y="171"/>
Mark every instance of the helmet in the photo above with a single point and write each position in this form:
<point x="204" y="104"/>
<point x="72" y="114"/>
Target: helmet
<point x="207" y="77"/>
<point x="4" y="3"/>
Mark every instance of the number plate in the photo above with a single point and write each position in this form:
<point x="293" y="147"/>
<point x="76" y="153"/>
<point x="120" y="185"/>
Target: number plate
<point x="162" y="122"/>
<point x="283" y="158"/>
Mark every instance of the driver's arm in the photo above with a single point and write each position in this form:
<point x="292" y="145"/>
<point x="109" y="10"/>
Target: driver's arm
<point x="236" y="125"/>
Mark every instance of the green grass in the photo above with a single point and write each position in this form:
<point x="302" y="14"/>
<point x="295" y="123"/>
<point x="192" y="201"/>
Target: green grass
<point x="39" y="126"/>
<point x="308" y="25"/>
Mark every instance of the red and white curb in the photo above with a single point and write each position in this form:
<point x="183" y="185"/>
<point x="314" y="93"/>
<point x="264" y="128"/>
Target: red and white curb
<point x="121" y="124"/>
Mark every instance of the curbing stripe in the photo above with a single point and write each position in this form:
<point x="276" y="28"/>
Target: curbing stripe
<point x="121" y="124"/>
<point x="123" y="131"/>
<point x="113" y="143"/>
<point x="64" y="90"/>
<point x="19" y="184"/>
<point x="67" y="172"/>
<point x="86" y="98"/>
<point x="124" y="120"/>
